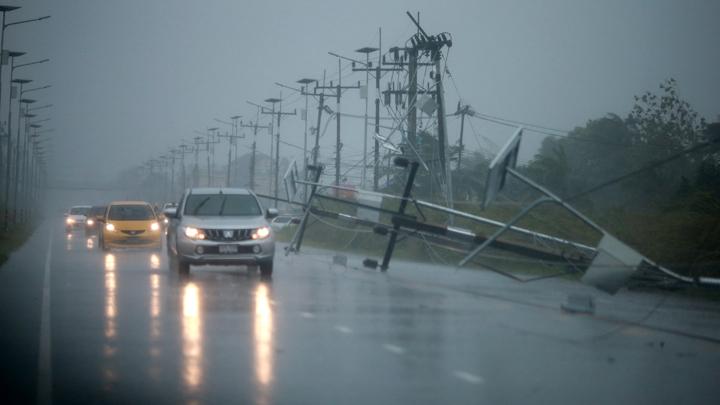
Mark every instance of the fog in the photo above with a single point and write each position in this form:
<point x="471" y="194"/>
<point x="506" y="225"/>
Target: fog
<point x="131" y="79"/>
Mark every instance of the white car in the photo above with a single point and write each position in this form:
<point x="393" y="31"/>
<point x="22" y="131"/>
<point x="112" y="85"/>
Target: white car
<point x="75" y="217"/>
<point x="282" y="221"/>
<point x="220" y="226"/>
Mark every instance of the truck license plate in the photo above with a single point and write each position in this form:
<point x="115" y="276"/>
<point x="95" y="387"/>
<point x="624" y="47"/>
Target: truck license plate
<point x="227" y="249"/>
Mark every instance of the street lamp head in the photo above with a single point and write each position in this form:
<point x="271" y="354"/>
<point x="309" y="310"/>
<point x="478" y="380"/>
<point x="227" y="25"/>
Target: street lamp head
<point x="234" y="117"/>
<point x="213" y="129"/>
<point x="306" y="81"/>
<point x="35" y="126"/>
<point x="22" y="81"/>
<point x="5" y="9"/>
<point x="272" y="100"/>
<point x="15" y="54"/>
<point x="366" y="49"/>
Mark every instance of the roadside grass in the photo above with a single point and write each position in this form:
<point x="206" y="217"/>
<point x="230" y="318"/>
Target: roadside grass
<point x="680" y="240"/>
<point x="334" y="235"/>
<point x="12" y="239"/>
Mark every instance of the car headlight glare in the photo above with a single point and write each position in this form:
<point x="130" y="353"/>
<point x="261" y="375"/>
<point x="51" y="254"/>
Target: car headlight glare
<point x="154" y="226"/>
<point x="90" y="222"/>
<point x="194" y="233"/>
<point x="261" y="233"/>
<point x="110" y="227"/>
<point x="70" y="221"/>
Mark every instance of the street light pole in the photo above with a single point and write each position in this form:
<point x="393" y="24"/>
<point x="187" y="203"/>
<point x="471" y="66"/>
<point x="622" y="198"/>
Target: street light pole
<point x="12" y="56"/>
<point x="8" y="144"/>
<point x="21" y="159"/>
<point x="4" y="10"/>
<point x="18" y="163"/>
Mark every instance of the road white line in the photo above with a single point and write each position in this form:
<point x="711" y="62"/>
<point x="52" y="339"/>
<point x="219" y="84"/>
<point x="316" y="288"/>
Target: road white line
<point x="44" y="386"/>
<point x="469" y="377"/>
<point x="343" y="329"/>
<point x="393" y="348"/>
<point x="307" y="315"/>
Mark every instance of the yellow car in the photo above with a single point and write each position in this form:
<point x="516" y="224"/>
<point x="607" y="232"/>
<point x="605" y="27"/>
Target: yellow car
<point x="130" y="224"/>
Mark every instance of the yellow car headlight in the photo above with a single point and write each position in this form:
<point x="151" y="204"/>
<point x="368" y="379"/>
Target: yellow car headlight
<point x="261" y="233"/>
<point x="154" y="226"/>
<point x="110" y="227"/>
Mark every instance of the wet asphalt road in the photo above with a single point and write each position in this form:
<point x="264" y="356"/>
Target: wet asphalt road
<point x="124" y="328"/>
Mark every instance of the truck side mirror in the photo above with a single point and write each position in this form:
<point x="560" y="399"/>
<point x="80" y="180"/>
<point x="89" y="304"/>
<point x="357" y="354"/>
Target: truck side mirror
<point x="271" y="213"/>
<point x="170" y="212"/>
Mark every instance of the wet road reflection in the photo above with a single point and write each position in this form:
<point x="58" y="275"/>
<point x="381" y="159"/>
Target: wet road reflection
<point x="129" y="329"/>
<point x="154" y="306"/>
<point x="90" y="243"/>
<point x="192" y="337"/>
<point x="154" y="261"/>
<point x="110" y="348"/>
<point x="263" y="335"/>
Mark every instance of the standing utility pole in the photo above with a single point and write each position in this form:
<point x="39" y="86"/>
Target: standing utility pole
<point x="199" y="143"/>
<point x="231" y="142"/>
<point x="338" y="94"/>
<point x="184" y="150"/>
<point x="277" y="114"/>
<point x="232" y="139"/>
<point x="378" y="69"/>
<point x="368" y="66"/>
<point x="423" y="45"/>
<point x="255" y="126"/>
<point x="210" y="142"/>
<point x="462" y="110"/>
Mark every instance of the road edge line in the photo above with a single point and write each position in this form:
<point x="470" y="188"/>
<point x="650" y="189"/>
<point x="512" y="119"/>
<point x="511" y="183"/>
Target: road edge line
<point x="44" y="383"/>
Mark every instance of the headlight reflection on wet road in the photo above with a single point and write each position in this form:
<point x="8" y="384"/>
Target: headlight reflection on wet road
<point x="154" y="261"/>
<point x="192" y="337"/>
<point x="110" y="350"/>
<point x="263" y="342"/>
<point x="110" y="296"/>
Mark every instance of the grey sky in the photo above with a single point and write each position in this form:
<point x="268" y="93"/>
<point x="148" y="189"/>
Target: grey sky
<point x="132" y="78"/>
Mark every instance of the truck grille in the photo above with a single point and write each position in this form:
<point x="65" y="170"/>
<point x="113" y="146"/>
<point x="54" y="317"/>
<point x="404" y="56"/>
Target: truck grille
<point x="228" y="235"/>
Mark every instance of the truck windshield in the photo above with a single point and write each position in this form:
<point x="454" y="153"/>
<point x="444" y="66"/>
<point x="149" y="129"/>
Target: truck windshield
<point x="222" y="205"/>
<point x="79" y="210"/>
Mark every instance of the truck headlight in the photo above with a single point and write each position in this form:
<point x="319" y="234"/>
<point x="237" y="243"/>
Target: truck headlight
<point x="261" y="233"/>
<point x="90" y="222"/>
<point x="194" y="233"/>
<point x="69" y="221"/>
